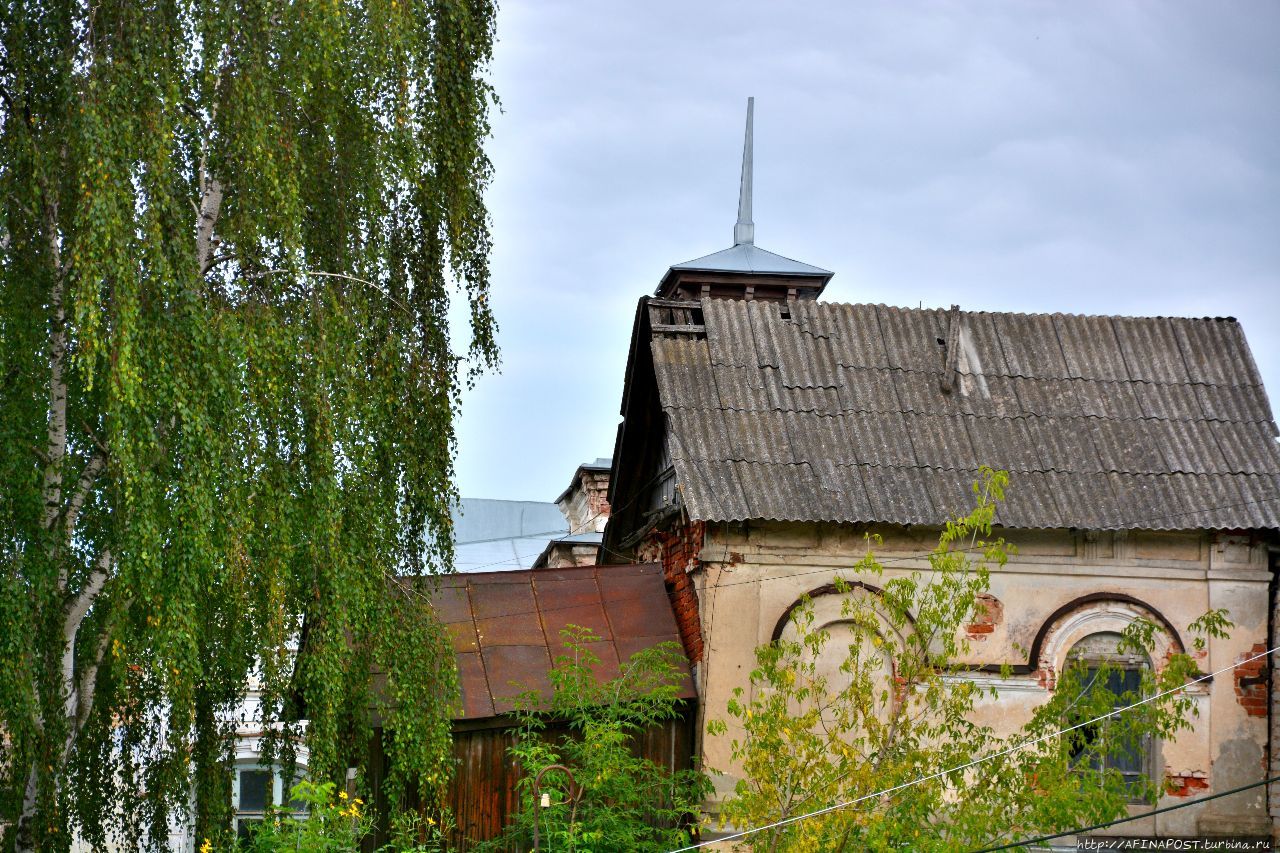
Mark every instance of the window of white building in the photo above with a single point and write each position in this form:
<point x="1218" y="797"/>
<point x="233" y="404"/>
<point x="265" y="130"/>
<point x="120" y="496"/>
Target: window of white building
<point x="255" y="790"/>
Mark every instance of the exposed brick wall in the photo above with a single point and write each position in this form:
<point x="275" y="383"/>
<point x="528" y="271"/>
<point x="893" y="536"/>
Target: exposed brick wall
<point x="1273" y="793"/>
<point x="586" y="503"/>
<point x="677" y="549"/>
<point x="988" y="613"/>
<point x="596" y="485"/>
<point x="1186" y="784"/>
<point x="1252" y="681"/>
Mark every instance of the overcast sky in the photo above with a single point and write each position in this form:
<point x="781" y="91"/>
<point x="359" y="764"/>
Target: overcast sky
<point x="1105" y="158"/>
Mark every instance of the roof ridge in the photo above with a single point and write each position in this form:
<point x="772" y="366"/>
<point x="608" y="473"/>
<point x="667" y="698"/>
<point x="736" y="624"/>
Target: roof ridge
<point x="1132" y="380"/>
<point x="1021" y="416"/>
<point x="1173" y="472"/>
<point x="1013" y="469"/>
<point x="1069" y="314"/>
<point x="820" y="304"/>
<point x="1101" y="417"/>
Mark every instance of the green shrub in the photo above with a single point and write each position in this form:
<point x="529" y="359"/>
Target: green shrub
<point x="615" y="799"/>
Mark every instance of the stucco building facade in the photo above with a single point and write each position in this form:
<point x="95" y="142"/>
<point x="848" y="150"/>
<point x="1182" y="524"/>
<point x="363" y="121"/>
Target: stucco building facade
<point x="763" y="440"/>
<point x="765" y="432"/>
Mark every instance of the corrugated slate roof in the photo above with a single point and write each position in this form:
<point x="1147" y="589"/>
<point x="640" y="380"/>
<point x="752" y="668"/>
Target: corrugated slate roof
<point x="837" y="413"/>
<point x="505" y="626"/>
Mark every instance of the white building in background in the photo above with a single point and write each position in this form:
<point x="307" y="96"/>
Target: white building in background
<point x="497" y="535"/>
<point x="491" y="535"/>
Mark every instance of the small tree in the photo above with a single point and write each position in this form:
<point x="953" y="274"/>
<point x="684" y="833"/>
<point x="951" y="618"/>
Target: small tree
<point x="901" y="710"/>
<point x="616" y="800"/>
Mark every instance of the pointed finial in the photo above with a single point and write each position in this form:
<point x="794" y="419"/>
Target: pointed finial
<point x="745" y="230"/>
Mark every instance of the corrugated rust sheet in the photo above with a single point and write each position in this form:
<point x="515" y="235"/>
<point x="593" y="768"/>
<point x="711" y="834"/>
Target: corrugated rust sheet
<point x="505" y="626"/>
<point x="836" y="413"/>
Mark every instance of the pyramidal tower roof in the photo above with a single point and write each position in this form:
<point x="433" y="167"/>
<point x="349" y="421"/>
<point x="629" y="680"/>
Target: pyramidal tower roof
<point x="744" y="270"/>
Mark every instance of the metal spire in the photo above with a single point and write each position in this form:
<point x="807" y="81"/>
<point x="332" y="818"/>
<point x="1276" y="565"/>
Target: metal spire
<point x="745" y="231"/>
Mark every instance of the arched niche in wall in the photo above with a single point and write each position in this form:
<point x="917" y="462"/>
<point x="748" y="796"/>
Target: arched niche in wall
<point x="258" y="785"/>
<point x="1134" y="758"/>
<point x="830" y="595"/>
<point x="1099" y="614"/>
<point x="851" y="617"/>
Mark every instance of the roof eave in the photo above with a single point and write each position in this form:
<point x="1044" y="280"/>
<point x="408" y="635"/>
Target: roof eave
<point x="814" y="281"/>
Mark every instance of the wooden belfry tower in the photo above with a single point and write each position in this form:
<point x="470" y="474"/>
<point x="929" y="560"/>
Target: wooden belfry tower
<point x="744" y="271"/>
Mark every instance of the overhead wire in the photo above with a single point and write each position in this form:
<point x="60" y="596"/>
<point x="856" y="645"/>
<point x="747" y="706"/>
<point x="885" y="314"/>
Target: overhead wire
<point x="1128" y="524"/>
<point x="960" y="768"/>
<point x="1039" y="840"/>
<point x="566" y="534"/>
<point x="914" y="557"/>
<point x="1197" y="801"/>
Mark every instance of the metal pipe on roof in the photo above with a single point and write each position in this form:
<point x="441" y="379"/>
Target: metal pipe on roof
<point x="744" y="232"/>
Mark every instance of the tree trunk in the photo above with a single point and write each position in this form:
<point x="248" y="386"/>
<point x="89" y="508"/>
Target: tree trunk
<point x="60" y="513"/>
<point x="24" y="843"/>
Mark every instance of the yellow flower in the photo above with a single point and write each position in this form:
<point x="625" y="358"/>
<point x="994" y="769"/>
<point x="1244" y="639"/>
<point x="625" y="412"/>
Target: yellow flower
<point x="342" y="795"/>
<point x="206" y="847"/>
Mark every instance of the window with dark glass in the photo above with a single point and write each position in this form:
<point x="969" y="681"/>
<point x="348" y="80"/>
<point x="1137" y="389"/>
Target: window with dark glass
<point x="255" y="792"/>
<point x="1132" y="758"/>
<point x="256" y="789"/>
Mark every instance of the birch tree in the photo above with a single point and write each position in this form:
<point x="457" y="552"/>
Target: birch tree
<point x="230" y="232"/>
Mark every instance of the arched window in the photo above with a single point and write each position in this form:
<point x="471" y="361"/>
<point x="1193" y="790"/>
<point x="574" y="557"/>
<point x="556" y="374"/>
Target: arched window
<point x="1102" y="665"/>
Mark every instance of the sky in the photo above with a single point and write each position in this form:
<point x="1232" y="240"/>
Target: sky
<point x="1091" y="157"/>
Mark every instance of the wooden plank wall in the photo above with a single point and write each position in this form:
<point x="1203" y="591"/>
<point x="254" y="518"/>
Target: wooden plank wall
<point x="483" y="793"/>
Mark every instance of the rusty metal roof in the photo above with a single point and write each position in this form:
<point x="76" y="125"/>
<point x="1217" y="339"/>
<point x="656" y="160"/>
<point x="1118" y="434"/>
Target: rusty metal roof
<point x="505" y="626"/>
<point x="838" y="413"/>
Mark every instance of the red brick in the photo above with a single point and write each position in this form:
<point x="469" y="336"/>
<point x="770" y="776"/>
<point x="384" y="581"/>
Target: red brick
<point x="1185" y="786"/>
<point x="1253" y="695"/>
<point x="676" y="550"/>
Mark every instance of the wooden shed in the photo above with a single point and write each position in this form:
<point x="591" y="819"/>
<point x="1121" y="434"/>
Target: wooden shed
<point x="505" y="628"/>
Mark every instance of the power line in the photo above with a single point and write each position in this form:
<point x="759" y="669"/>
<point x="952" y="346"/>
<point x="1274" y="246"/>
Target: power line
<point x="586" y="524"/>
<point x="914" y="557"/>
<point x="530" y="535"/>
<point x="904" y="558"/>
<point x="962" y="767"/>
<point x="1197" y="801"/>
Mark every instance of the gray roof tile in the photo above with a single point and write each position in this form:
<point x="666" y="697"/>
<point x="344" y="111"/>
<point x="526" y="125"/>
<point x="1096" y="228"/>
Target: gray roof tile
<point x="747" y="257"/>
<point x="837" y="413"/>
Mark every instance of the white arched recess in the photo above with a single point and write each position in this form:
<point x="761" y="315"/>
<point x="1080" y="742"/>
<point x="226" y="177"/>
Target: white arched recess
<point x="830" y="615"/>
<point x="1103" y="616"/>
<point x="255" y="786"/>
